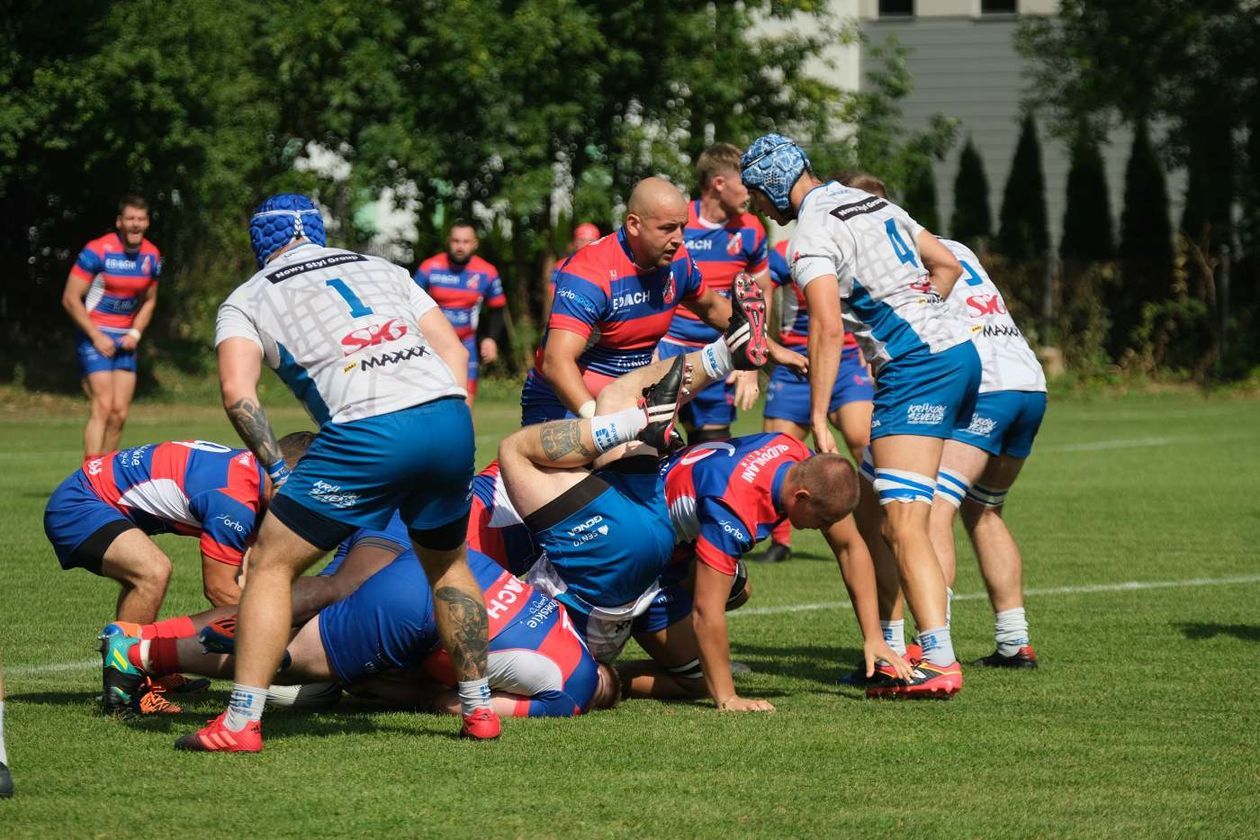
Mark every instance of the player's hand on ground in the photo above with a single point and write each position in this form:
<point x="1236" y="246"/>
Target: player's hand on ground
<point x="780" y="355"/>
<point x="878" y="649"/>
<point x="746" y="388"/>
<point x="824" y="441"/>
<point x="104" y="345"/>
<point x="745" y="704"/>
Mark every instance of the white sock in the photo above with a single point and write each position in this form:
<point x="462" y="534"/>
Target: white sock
<point x="949" y="603"/>
<point x="716" y="359"/>
<point x="473" y="695"/>
<point x="895" y="635"/>
<point x="938" y="647"/>
<point x="611" y="430"/>
<point x="245" y="706"/>
<point x="1010" y="629"/>
<point x="4" y="756"/>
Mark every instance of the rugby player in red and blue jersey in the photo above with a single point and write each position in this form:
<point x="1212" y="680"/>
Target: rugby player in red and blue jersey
<point x="100" y="517"/>
<point x="110" y="295"/>
<point x="613" y="302"/>
<point x="460" y="282"/>
<point x="381" y="641"/>
<point x="724" y="241"/>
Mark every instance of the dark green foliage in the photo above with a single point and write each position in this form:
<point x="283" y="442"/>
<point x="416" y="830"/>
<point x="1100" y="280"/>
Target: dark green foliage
<point x="1022" y="223"/>
<point x="972" y="220"/>
<point x="1145" y="248"/>
<point x="1087" y="217"/>
<point x="920" y="198"/>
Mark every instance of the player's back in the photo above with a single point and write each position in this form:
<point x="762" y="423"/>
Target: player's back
<point x="1009" y="363"/>
<point x="342" y="331"/>
<point x="870" y="245"/>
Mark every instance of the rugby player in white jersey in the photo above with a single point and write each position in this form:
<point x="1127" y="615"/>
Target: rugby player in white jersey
<point x="858" y="257"/>
<point x="981" y="462"/>
<point x="379" y="368"/>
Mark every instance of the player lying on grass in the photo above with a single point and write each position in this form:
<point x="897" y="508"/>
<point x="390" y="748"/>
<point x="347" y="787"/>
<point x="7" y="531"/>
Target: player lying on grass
<point x="100" y="518"/>
<point x="606" y="536"/>
<point x="381" y="642"/>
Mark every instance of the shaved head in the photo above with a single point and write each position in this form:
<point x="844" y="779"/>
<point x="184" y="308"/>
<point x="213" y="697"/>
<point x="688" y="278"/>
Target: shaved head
<point x="655" y="217"/>
<point x="655" y="197"/>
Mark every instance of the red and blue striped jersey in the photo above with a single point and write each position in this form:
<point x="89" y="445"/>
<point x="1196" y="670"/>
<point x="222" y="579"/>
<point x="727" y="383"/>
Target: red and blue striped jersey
<point x="494" y="527"/>
<point x="622" y="312"/>
<point x="724" y="496"/>
<point x="793" y="312"/>
<point x="118" y="280"/>
<point x="720" y="252"/>
<point x="460" y="290"/>
<point x="191" y="487"/>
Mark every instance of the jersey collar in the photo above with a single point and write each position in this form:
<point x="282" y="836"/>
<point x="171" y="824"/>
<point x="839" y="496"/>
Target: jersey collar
<point x="776" y="486"/>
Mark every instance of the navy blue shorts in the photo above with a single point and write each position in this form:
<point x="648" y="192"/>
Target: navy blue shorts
<point x="418" y="460"/>
<point x="386" y="623"/>
<point x="73" y="516"/>
<point x="927" y="394"/>
<point x="91" y="361"/>
<point x="787" y="397"/>
<point x="1005" y="422"/>
<point x="609" y="536"/>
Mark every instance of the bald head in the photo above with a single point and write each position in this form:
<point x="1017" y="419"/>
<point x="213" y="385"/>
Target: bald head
<point x="655" y="196"/>
<point x="655" y="217"/>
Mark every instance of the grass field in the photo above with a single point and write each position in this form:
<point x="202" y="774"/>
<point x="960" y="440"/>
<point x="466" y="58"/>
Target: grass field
<point x="1140" y="526"/>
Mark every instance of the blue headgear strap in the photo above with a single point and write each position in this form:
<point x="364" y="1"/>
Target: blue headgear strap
<point x="772" y="164"/>
<point x="282" y="219"/>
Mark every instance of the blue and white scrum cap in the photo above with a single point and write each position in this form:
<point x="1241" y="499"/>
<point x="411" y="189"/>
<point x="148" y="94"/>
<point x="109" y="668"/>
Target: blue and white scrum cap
<point x="772" y="164"/>
<point x="280" y="220"/>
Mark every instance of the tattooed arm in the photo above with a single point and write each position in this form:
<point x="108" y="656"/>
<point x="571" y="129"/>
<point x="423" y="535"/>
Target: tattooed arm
<point x="240" y="365"/>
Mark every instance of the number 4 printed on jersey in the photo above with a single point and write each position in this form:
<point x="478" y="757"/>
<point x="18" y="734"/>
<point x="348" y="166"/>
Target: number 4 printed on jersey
<point x="899" y="246"/>
<point x="357" y="309"/>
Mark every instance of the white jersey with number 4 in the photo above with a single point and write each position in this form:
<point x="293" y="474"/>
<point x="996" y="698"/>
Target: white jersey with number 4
<point x="870" y="245"/>
<point x="342" y="331"/>
<point x="1009" y="363"/>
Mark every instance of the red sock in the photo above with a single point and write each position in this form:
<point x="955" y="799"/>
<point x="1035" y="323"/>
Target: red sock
<point x="782" y="533"/>
<point x="170" y="628"/>
<point x="163" y="656"/>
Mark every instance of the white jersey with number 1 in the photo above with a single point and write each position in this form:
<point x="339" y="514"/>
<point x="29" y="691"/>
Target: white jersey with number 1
<point x="870" y="245"/>
<point x="342" y="331"/>
<point x="1009" y="363"/>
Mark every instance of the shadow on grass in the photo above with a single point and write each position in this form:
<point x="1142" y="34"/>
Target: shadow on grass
<point x="1199" y="630"/>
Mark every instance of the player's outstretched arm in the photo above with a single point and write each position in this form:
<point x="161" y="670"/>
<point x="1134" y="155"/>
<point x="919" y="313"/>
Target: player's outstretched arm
<point x="709" y="619"/>
<point x="943" y="267"/>
<point x="826" y="338"/>
<point x="240" y="365"/>
<point x="858" y="570"/>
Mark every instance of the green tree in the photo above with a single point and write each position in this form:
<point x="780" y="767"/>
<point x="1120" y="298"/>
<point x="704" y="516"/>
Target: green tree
<point x="1022" y="225"/>
<point x="1087" y="217"/>
<point x="972" y="220"/>
<point x="1145" y="249"/>
<point x="920" y="197"/>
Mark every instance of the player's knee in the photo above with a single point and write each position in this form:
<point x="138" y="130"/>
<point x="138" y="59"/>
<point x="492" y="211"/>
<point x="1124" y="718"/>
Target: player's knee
<point x="117" y="417"/>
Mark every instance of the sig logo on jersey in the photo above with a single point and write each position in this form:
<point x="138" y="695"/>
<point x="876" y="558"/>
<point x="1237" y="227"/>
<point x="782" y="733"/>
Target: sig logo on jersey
<point x="373" y="335"/>
<point x="982" y="305"/>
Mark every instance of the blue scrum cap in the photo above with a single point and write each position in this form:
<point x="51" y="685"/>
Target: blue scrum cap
<point x="772" y="164"/>
<point x="281" y="219"/>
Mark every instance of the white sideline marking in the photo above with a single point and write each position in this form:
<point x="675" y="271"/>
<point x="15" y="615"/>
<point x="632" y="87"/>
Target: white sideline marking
<point x="1127" y="586"/>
